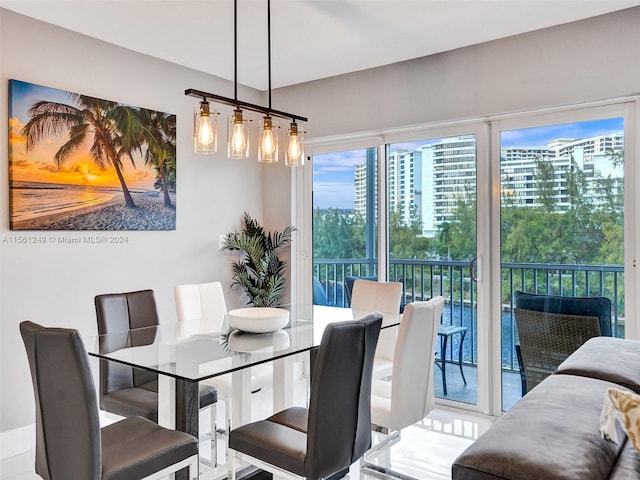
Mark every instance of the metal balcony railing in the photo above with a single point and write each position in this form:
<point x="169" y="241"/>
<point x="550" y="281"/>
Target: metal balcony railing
<point x="423" y="279"/>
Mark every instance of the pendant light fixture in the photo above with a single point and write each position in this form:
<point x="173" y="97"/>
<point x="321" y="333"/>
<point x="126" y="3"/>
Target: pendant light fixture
<point x="205" y="138"/>
<point x="268" y="147"/>
<point x="294" y="157"/>
<point x="205" y="122"/>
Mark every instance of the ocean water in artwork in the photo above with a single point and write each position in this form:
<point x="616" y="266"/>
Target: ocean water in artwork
<point x="32" y="199"/>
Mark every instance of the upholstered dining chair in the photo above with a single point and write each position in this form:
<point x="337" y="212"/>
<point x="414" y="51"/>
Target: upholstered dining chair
<point x="349" y="280"/>
<point x="128" y="391"/>
<point x="372" y="296"/>
<point x="408" y="397"/>
<point x="550" y="327"/>
<point x="201" y="300"/>
<point x="335" y="431"/>
<point x="206" y="301"/>
<point x="69" y="441"/>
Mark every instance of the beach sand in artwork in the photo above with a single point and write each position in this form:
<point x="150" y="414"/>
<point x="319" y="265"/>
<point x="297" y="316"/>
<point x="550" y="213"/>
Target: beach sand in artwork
<point x="149" y="214"/>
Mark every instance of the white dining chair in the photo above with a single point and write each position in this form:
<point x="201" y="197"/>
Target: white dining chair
<point x="385" y="297"/>
<point x="408" y="397"/>
<point x="206" y="301"/>
<point x="201" y="300"/>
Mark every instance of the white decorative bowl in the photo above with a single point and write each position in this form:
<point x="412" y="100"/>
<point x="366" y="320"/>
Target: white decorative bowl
<point x="253" y="342"/>
<point x="258" y="319"/>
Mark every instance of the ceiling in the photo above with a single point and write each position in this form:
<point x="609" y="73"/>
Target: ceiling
<point x="310" y="39"/>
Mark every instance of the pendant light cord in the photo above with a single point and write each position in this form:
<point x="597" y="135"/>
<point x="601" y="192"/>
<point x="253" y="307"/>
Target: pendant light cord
<point x="235" y="49"/>
<point x="269" y="47"/>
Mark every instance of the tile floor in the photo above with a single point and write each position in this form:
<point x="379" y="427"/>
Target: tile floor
<point x="425" y="451"/>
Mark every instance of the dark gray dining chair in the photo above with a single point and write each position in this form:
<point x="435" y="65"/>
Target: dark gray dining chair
<point x="335" y="431"/>
<point x="69" y="441"/>
<point x="129" y="318"/>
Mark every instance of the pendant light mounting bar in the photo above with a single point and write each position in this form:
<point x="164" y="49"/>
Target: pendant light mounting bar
<point x="246" y="105"/>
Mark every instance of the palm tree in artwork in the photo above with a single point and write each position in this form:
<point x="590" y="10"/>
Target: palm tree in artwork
<point x="114" y="131"/>
<point x="160" y="138"/>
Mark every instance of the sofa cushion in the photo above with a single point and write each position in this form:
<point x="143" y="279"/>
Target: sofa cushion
<point x="613" y="359"/>
<point x="552" y="434"/>
<point x="628" y="465"/>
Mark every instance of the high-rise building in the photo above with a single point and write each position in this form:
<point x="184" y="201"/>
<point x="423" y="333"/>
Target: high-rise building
<point x="427" y="182"/>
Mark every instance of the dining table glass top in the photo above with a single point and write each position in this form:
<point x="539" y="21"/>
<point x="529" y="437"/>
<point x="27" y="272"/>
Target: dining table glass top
<point x="198" y="349"/>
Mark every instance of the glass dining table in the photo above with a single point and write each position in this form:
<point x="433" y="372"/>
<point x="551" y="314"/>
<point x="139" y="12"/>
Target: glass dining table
<point x="186" y="353"/>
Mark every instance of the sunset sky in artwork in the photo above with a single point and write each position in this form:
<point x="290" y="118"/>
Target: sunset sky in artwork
<point x="39" y="164"/>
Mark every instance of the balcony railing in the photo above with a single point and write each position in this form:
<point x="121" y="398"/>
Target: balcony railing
<point x="423" y="279"/>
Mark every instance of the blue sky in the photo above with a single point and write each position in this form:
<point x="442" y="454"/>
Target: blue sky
<point x="333" y="172"/>
<point x="23" y="95"/>
<point x="539" y="136"/>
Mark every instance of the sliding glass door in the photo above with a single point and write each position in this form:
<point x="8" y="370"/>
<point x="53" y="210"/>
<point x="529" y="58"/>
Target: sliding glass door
<point x="562" y="218"/>
<point x="431" y="209"/>
<point x="475" y="212"/>
<point x="345" y="240"/>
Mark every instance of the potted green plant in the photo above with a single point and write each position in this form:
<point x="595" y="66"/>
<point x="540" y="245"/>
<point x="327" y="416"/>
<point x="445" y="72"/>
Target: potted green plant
<point x="259" y="272"/>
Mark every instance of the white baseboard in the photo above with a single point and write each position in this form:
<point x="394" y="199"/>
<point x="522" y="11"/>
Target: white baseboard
<point x="21" y="440"/>
<point x="17" y="441"/>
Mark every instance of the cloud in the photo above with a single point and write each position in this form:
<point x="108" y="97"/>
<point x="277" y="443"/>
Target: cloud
<point x="20" y="163"/>
<point x="50" y="167"/>
<point x="15" y="129"/>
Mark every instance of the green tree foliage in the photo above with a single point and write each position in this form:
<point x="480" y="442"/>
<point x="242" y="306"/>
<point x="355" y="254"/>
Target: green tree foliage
<point x="338" y="235"/>
<point x="545" y="180"/>
<point x="589" y="230"/>
<point x="405" y="239"/>
<point x="458" y="242"/>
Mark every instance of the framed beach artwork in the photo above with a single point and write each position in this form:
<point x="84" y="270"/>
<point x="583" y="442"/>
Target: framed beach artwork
<point x="81" y="163"/>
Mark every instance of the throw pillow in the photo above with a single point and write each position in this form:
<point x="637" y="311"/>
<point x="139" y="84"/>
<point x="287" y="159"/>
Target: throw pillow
<point x="624" y="406"/>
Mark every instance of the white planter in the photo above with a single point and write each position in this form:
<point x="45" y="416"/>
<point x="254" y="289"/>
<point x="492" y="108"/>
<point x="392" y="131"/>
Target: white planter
<point x="258" y="319"/>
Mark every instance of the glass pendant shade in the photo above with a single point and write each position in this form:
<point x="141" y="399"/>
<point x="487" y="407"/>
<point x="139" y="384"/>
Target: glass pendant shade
<point x="294" y="156"/>
<point x="268" y="146"/>
<point x="205" y="136"/>
<point x="237" y="136"/>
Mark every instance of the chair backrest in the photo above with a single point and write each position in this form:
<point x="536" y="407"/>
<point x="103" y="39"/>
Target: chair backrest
<point x="119" y="313"/>
<point x="547" y="339"/>
<point x="200" y="300"/>
<point x="339" y="424"/>
<point x="586" y="306"/>
<point x="371" y="296"/>
<point x="67" y="422"/>
<point x="319" y="295"/>
<point x="348" y="286"/>
<point x="412" y="396"/>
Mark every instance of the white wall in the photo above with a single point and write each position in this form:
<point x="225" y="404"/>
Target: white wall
<point x="583" y="61"/>
<point x="55" y="284"/>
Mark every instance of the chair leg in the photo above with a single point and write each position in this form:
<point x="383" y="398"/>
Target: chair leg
<point x="388" y="442"/>
<point x="231" y="463"/>
<point x="194" y="468"/>
<point x="214" y="437"/>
